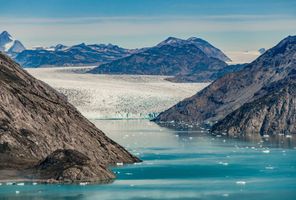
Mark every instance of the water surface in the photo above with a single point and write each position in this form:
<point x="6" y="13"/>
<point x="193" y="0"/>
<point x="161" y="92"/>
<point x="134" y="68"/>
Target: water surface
<point x="181" y="165"/>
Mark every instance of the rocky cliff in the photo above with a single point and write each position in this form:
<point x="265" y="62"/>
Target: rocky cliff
<point x="36" y="121"/>
<point x="272" y="113"/>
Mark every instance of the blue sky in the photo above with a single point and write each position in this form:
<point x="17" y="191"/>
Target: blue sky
<point x="231" y="25"/>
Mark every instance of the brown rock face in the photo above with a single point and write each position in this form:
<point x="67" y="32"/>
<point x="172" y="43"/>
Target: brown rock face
<point x="233" y="90"/>
<point x="273" y="113"/>
<point x="36" y="120"/>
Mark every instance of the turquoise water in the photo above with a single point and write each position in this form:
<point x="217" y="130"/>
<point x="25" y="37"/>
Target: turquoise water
<point x="181" y="165"/>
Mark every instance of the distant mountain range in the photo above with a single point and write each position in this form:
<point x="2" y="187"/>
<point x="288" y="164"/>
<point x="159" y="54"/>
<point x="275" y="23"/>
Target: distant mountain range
<point x="260" y="98"/>
<point x="81" y="54"/>
<point x="9" y="45"/>
<point x="191" y="60"/>
<point x="61" y="55"/>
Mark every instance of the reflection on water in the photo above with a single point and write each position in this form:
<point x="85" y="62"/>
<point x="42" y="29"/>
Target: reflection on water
<point x="183" y="164"/>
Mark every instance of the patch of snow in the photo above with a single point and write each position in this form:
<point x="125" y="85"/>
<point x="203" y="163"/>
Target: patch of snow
<point x="8" y="45"/>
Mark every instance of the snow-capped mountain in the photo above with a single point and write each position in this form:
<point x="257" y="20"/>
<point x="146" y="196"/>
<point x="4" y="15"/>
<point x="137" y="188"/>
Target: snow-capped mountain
<point x="9" y="45"/>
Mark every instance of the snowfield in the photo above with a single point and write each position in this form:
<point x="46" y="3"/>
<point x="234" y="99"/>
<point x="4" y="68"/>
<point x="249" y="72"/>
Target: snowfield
<point x="116" y="96"/>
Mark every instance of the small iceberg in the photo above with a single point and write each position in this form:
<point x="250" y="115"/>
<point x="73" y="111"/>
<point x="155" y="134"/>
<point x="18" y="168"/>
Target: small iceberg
<point x="83" y="183"/>
<point x="223" y="163"/>
<point x="266" y="151"/>
<point x="17" y="192"/>
<point x="269" y="168"/>
<point x="241" y="182"/>
<point x="119" y="164"/>
<point x="20" y="184"/>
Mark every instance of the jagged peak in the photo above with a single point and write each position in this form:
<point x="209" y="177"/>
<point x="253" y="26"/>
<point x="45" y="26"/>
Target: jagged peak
<point x="5" y="34"/>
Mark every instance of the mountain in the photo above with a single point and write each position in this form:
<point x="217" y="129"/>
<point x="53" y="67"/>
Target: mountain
<point x="5" y="38"/>
<point x="44" y="137"/>
<point x="203" y="45"/>
<point x="10" y="46"/>
<point x="240" y="93"/>
<point x="185" y="59"/>
<point x="80" y="54"/>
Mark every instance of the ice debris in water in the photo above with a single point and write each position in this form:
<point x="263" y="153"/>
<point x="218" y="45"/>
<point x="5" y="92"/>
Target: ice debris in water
<point x="241" y="182"/>
<point x="119" y="164"/>
<point x="35" y="183"/>
<point x="269" y="167"/>
<point x="20" y="184"/>
<point x="83" y="183"/>
<point x="9" y="183"/>
<point x="266" y="151"/>
<point x="17" y="192"/>
<point x="223" y="163"/>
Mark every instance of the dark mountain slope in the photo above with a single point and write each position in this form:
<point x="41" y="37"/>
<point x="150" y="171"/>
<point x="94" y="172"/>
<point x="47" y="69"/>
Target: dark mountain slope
<point x="36" y="121"/>
<point x="235" y="89"/>
<point x="273" y="113"/>
<point x="164" y="60"/>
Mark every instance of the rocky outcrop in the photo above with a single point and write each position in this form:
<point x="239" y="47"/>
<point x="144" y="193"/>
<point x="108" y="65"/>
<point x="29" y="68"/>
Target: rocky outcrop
<point x="36" y="120"/>
<point x="234" y="90"/>
<point x="67" y="165"/>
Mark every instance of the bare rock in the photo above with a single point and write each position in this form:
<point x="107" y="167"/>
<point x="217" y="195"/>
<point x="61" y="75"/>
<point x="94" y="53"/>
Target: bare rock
<point x="36" y="120"/>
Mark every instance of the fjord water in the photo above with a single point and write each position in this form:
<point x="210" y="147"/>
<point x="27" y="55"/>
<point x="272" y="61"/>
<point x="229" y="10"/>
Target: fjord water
<point x="181" y="164"/>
